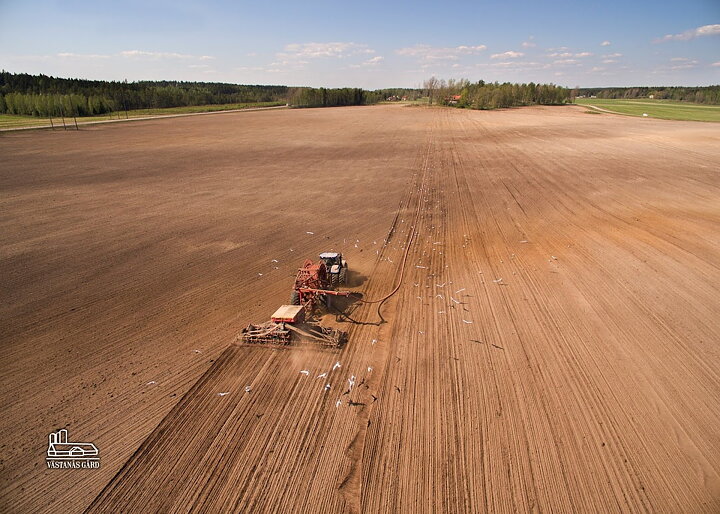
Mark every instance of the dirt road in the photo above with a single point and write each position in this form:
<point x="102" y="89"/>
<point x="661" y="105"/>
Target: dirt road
<point x="553" y="344"/>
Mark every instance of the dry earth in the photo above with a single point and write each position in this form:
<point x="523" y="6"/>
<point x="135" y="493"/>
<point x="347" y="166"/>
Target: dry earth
<point x="553" y="345"/>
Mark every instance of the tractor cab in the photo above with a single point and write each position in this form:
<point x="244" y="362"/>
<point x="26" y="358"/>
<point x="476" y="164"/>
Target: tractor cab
<point x="332" y="259"/>
<point x="336" y="267"/>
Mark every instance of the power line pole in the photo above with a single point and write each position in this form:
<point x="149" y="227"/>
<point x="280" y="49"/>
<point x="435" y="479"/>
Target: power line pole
<point x="62" y="113"/>
<point x="122" y="91"/>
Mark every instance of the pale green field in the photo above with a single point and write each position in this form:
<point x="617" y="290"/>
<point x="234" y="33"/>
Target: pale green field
<point x="11" y="121"/>
<point x="664" y="109"/>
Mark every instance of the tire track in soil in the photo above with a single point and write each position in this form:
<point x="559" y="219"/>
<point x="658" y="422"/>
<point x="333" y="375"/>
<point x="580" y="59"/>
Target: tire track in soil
<point x="125" y="256"/>
<point x="143" y="469"/>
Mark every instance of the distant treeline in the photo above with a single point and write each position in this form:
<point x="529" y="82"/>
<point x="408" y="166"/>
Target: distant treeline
<point x="399" y="93"/>
<point x="323" y="97"/>
<point x="701" y="95"/>
<point x="40" y="95"/>
<point x="493" y="95"/>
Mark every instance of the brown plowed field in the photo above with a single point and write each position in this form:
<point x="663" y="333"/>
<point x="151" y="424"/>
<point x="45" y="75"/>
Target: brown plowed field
<point x="554" y="343"/>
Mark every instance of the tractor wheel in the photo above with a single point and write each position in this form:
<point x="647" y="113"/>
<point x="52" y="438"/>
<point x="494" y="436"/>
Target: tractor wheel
<point x="294" y="298"/>
<point x="343" y="276"/>
<point x="328" y="302"/>
<point x="334" y="279"/>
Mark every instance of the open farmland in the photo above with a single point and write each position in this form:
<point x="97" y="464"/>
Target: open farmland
<point x="553" y="344"/>
<point x="663" y="109"/>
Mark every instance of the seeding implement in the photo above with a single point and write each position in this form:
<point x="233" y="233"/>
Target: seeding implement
<point x="313" y="288"/>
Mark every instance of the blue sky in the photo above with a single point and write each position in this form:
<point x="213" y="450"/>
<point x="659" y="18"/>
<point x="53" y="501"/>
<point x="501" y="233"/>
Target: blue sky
<point x="366" y="44"/>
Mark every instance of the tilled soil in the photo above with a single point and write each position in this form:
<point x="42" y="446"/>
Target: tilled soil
<point x="552" y="344"/>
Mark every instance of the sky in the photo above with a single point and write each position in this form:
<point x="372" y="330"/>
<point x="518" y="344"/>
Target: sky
<point x="366" y="44"/>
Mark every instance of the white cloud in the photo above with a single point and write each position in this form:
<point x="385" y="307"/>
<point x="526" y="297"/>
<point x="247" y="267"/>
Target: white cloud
<point x="566" y="61"/>
<point x="431" y="53"/>
<point x="295" y="56"/>
<point x="679" y="59"/>
<point x="715" y="64"/>
<point x="685" y="66"/>
<point x="510" y="54"/>
<point x="597" y="69"/>
<point x="612" y="56"/>
<point x="250" y="68"/>
<point x="142" y="54"/>
<point x="470" y="49"/>
<point x="318" y="50"/>
<point x="163" y="55"/>
<point x="565" y="55"/>
<point x="514" y="65"/>
<point x="70" y="55"/>
<point x="373" y="61"/>
<point x="705" y="30"/>
<point x="288" y="63"/>
<point x="605" y="43"/>
<point x="609" y="61"/>
<point x="529" y="44"/>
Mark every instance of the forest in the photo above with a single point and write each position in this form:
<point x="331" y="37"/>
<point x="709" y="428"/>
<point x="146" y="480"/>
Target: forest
<point x="42" y="96"/>
<point x="493" y="95"/>
<point x="323" y="97"/>
<point x="702" y="94"/>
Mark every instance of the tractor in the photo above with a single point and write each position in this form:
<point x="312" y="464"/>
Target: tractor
<point x="336" y="267"/>
<point x="316" y="283"/>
